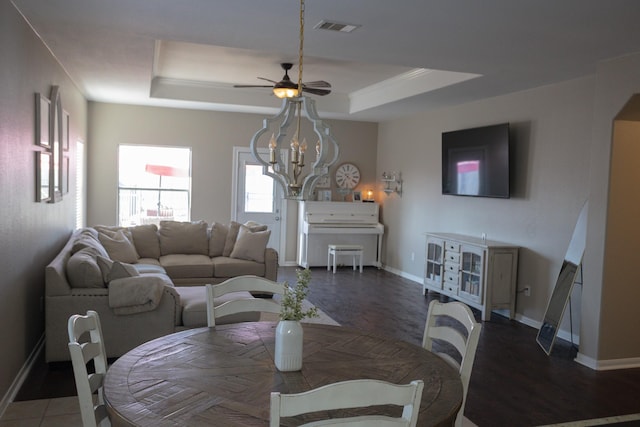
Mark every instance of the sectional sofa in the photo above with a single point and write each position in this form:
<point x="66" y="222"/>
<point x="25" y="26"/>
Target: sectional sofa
<point x="147" y="281"/>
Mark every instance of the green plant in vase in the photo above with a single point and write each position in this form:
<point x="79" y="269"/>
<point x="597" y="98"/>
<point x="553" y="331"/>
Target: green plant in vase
<point x="289" y="333"/>
<point x="291" y="304"/>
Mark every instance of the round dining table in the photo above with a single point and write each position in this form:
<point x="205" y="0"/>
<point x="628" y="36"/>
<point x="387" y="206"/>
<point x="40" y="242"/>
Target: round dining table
<point x="223" y="376"/>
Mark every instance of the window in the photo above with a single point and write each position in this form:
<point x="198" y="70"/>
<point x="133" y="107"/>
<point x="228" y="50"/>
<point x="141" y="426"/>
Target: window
<point x="80" y="185"/>
<point x="258" y="190"/>
<point x="154" y="184"/>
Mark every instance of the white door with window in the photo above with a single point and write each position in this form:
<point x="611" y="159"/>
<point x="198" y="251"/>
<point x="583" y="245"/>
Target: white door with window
<point x="257" y="197"/>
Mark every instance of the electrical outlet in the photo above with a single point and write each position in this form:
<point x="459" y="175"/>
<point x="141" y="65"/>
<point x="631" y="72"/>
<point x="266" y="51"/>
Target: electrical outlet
<point x="413" y="256"/>
<point x="527" y="291"/>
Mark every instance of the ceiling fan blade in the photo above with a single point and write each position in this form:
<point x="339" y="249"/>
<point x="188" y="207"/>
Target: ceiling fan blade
<point x="269" y="80"/>
<point x="317" y="83"/>
<point x="250" y="86"/>
<point x="314" y="91"/>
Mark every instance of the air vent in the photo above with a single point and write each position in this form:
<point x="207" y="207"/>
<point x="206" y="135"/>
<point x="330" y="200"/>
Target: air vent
<point x="336" y="26"/>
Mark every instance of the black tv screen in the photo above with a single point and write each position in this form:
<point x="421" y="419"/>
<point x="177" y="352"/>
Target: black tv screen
<point x="475" y="162"/>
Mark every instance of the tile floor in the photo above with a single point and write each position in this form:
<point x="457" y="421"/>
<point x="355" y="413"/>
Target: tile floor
<point x="58" y="412"/>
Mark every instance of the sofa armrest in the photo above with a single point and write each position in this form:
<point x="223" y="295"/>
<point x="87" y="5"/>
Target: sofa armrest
<point x="271" y="264"/>
<point x="121" y="333"/>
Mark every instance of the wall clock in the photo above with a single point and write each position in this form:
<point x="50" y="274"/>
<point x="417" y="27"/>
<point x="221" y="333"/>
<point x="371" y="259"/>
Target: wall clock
<point x="347" y="175"/>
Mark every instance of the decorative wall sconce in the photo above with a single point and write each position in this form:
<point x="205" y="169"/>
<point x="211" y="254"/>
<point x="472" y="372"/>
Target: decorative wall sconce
<point x="392" y="182"/>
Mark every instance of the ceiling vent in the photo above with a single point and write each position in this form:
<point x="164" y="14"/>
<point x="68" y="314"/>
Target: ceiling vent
<point x="336" y="26"/>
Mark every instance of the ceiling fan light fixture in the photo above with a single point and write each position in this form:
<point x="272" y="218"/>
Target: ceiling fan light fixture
<point x="282" y="90"/>
<point x="290" y="173"/>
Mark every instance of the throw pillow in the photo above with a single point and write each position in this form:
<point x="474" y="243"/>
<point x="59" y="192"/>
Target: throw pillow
<point x="112" y="270"/>
<point x="183" y="238"/>
<point x="105" y="265"/>
<point x="218" y="239"/>
<point x="120" y="270"/>
<point x="86" y="240"/>
<point x="83" y="270"/>
<point x="232" y="235"/>
<point x="250" y="245"/>
<point x="119" y="246"/>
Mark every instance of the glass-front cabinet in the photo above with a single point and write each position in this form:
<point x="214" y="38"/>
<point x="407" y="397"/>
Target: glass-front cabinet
<point x="481" y="273"/>
<point x="433" y="266"/>
<point x="471" y="272"/>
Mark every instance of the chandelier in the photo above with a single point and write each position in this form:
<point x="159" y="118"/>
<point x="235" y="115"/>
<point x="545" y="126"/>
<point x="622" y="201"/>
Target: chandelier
<point x="291" y="171"/>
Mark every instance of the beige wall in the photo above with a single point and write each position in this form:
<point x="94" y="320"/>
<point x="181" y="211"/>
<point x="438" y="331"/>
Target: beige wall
<point x="30" y="233"/>
<point x="551" y="139"/>
<point x="562" y="135"/>
<point x="616" y="81"/>
<point x="551" y="144"/>
<point x="212" y="136"/>
<point x="622" y="245"/>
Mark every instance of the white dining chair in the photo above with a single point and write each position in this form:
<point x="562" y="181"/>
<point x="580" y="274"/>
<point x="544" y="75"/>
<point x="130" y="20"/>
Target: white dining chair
<point x="82" y="352"/>
<point x="351" y="394"/>
<point x="255" y="284"/>
<point x="440" y="329"/>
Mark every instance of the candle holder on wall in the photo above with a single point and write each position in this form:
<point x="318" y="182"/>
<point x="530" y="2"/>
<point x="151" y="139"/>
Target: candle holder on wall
<point x="392" y="182"/>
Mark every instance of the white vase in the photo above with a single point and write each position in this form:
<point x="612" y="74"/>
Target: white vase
<point x="288" y="355"/>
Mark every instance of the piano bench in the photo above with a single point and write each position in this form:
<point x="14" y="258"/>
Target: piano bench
<point x="335" y="250"/>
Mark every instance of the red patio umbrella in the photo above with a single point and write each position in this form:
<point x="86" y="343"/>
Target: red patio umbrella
<point x="164" y="170"/>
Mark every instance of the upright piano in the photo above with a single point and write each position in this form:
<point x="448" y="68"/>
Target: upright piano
<point x="321" y="224"/>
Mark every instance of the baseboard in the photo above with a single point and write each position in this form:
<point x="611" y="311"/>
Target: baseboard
<point x="607" y="365"/>
<point x="289" y="264"/>
<point x="22" y="376"/>
<point x="400" y="273"/>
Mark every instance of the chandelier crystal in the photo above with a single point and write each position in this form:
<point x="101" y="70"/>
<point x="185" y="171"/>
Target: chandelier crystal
<point x="288" y="131"/>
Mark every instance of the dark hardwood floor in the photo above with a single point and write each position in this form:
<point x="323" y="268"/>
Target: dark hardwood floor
<point x="514" y="383"/>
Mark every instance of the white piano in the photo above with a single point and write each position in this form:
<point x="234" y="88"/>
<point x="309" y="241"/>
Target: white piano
<point x="321" y="224"/>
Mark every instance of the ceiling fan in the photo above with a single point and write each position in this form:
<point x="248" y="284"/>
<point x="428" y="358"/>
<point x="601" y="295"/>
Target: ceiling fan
<point x="315" y="88"/>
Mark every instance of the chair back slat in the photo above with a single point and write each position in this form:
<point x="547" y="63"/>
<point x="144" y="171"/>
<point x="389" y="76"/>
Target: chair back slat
<point x="352" y="394"/>
<point x="444" y="323"/>
<point x="87" y="384"/>
<point x="248" y="283"/>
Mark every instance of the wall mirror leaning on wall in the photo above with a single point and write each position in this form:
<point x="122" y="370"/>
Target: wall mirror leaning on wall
<point x="571" y="268"/>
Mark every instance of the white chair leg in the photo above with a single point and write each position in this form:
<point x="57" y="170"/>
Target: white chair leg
<point x="328" y="259"/>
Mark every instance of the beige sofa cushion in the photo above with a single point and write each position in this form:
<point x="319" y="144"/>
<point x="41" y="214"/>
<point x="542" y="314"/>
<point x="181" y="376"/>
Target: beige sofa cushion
<point x="83" y="270"/>
<point x="250" y="245"/>
<point x="183" y="238"/>
<point x="187" y="266"/>
<point x="194" y="307"/>
<point x="217" y="239"/>
<point x="231" y="267"/>
<point x="146" y="268"/>
<point x="145" y="239"/>
<point x="119" y="245"/>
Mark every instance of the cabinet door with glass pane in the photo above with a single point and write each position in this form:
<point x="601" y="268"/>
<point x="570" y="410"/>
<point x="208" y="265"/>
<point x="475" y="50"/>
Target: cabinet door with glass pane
<point x="471" y="273"/>
<point x="434" y="261"/>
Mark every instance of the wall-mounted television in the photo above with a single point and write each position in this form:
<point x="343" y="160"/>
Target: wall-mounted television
<point x="476" y="162"/>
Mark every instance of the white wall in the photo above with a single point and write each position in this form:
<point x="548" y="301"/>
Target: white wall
<point x="551" y="134"/>
<point x="212" y="136"/>
<point x="607" y="341"/>
<point x="30" y="233"/>
<point x="563" y="140"/>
